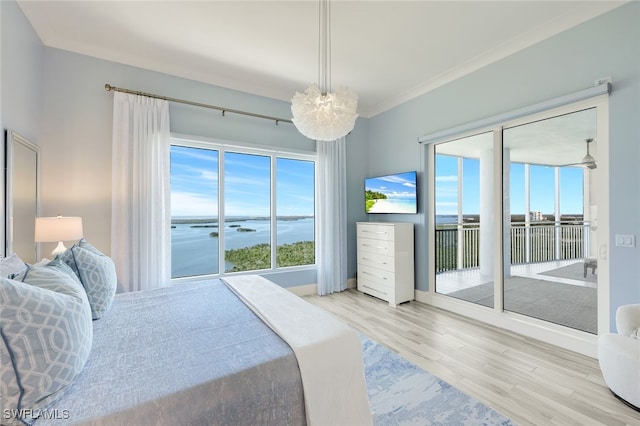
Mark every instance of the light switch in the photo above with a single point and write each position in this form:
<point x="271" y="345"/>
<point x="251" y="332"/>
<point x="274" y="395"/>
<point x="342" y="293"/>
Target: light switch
<point x="625" y="240"/>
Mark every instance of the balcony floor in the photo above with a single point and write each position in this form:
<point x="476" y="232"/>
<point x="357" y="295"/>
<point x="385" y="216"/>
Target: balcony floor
<point x="450" y="281"/>
<point x="529" y="292"/>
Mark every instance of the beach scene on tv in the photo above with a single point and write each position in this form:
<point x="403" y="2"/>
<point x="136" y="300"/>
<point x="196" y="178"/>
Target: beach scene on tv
<point x="391" y="194"/>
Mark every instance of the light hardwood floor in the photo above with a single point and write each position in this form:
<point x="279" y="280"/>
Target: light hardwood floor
<point x="531" y="382"/>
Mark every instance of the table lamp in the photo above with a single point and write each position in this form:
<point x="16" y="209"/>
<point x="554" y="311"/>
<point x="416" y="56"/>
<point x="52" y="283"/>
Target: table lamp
<point x="58" y="229"/>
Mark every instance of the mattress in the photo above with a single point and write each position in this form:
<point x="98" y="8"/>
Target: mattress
<point x="187" y="354"/>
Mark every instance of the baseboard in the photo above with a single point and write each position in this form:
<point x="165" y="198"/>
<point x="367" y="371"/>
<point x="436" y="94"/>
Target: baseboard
<point x="310" y="289"/>
<point x="573" y="340"/>
<point x="304" y="290"/>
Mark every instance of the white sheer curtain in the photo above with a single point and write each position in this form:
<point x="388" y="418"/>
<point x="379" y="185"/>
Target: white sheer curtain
<point x="140" y="212"/>
<point x="332" y="216"/>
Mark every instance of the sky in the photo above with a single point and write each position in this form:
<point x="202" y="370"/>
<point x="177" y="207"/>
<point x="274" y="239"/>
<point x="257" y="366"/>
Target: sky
<point x="541" y="190"/>
<point x="247" y="184"/>
<point x="195" y="185"/>
<point x="402" y="185"/>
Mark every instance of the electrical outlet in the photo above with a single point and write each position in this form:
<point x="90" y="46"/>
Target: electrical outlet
<point x="625" y="240"/>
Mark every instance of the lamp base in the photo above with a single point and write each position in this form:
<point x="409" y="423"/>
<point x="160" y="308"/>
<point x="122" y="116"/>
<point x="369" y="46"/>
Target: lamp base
<point x="60" y="248"/>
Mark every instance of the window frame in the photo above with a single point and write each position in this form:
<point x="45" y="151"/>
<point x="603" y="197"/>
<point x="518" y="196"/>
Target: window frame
<point x="226" y="146"/>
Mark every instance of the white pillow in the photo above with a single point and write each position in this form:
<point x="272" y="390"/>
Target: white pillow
<point x="43" y="262"/>
<point x="636" y="333"/>
<point x="10" y="265"/>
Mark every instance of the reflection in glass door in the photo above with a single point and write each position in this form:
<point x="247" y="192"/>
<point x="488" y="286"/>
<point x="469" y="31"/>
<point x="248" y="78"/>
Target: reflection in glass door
<point x="552" y="274"/>
<point x="464" y="219"/>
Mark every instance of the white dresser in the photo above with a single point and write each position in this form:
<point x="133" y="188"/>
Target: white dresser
<point x="385" y="260"/>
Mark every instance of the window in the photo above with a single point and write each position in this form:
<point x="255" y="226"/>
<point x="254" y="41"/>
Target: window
<point x="235" y="209"/>
<point x="247" y="212"/>
<point x="194" y="211"/>
<point x="295" y="183"/>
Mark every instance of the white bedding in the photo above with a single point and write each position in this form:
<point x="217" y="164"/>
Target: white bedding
<point x="328" y="351"/>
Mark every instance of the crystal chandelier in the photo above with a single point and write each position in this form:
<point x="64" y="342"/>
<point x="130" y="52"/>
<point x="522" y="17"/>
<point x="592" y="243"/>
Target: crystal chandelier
<point x="319" y="113"/>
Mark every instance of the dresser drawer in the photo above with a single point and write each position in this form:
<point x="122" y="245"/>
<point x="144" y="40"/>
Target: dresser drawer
<point x="376" y="260"/>
<point x="385" y="279"/>
<point x="374" y="289"/>
<point x="375" y="231"/>
<point x="367" y="245"/>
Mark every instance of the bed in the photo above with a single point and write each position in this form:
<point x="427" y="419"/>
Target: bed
<point x="213" y="352"/>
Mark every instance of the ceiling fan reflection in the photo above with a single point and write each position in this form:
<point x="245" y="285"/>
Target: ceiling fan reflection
<point x="587" y="161"/>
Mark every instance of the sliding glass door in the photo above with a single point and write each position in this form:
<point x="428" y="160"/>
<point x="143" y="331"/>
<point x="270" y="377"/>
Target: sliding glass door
<point x="550" y="275"/>
<point x="464" y="219"/>
<point x="515" y="212"/>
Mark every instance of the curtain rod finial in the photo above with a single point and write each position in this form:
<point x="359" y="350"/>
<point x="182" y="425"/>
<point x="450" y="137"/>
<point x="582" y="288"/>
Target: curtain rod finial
<point x="108" y="87"/>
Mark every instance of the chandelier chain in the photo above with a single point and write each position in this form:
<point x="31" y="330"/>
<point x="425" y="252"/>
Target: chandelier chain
<point x="324" y="46"/>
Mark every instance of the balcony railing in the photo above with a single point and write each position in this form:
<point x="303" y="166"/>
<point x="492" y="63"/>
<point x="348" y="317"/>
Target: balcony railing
<point x="458" y="245"/>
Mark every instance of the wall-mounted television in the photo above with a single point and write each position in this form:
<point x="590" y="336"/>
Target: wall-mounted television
<point x="394" y="193"/>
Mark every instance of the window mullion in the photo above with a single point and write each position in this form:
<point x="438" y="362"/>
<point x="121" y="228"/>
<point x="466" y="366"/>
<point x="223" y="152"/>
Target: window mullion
<point x="221" y="218"/>
<point x="274" y="217"/>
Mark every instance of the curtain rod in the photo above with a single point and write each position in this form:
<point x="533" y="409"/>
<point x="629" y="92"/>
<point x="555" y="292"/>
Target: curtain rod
<point x="110" y="88"/>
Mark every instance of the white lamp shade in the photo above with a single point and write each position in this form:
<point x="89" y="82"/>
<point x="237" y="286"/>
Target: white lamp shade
<point x="55" y="229"/>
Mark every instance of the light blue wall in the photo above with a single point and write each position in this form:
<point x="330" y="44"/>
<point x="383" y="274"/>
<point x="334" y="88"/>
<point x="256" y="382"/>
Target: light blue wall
<point x="608" y="45"/>
<point x="21" y="75"/>
<point x="20" y="82"/>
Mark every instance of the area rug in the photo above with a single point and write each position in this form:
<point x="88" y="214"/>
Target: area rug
<point x="565" y="304"/>
<point x="402" y="393"/>
<point x="575" y="271"/>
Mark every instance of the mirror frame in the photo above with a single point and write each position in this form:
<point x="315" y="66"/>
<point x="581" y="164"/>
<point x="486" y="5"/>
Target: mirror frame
<point x="13" y="141"/>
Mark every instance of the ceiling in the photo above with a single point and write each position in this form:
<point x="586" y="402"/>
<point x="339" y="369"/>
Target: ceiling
<point x="386" y="51"/>
<point x="555" y="141"/>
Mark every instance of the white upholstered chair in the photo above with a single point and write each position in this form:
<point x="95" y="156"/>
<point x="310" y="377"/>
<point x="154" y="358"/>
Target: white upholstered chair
<point x="619" y="355"/>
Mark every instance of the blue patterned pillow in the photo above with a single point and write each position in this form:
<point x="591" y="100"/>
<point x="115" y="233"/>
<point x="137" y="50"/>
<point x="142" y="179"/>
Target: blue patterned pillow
<point x="46" y="334"/>
<point x="58" y="264"/>
<point x="97" y="274"/>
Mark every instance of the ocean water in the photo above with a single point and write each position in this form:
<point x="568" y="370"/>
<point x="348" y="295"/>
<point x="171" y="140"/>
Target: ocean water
<point x="446" y="218"/>
<point x="195" y="252"/>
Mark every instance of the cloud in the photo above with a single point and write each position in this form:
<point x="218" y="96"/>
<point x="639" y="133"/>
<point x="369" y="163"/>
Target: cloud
<point x="192" y="204"/>
<point x="209" y="175"/>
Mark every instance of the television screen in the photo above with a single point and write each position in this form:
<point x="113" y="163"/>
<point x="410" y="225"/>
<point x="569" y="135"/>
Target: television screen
<point x="391" y="194"/>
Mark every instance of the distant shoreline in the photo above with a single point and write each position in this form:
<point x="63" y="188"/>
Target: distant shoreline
<point x="200" y="220"/>
<point x="449" y="219"/>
